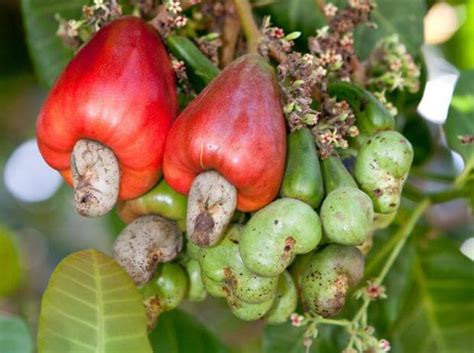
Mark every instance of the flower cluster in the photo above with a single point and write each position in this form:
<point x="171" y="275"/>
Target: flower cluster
<point x="170" y="17"/>
<point x="75" y="32"/>
<point x="274" y="43"/>
<point x="209" y="45"/>
<point x="304" y="77"/>
<point x="333" y="44"/>
<point x="184" y="86"/>
<point x="364" y="341"/>
<point x="390" y="67"/>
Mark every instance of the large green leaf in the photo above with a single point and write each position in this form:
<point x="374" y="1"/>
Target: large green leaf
<point x="461" y="117"/>
<point x="11" y="272"/>
<point x="437" y="314"/>
<point x="14" y="335"/>
<point x="92" y="306"/>
<point x="429" y="306"/>
<point x="178" y="332"/>
<point x="46" y="49"/>
<point x="404" y="17"/>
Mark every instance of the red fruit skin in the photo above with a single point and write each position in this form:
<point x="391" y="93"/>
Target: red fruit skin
<point x="236" y="127"/>
<point x="118" y="90"/>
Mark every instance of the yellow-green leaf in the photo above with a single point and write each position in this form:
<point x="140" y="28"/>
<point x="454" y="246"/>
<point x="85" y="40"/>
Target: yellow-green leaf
<point x="92" y="306"/>
<point x="10" y="266"/>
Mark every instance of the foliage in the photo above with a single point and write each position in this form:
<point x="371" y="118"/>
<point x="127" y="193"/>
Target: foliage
<point x="47" y="51"/>
<point x="10" y="263"/>
<point x="91" y="305"/>
<point x="179" y="332"/>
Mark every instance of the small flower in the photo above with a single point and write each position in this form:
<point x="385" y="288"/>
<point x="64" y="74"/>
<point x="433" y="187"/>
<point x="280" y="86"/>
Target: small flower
<point x="322" y="32"/>
<point x="354" y="3"/>
<point x="320" y="72"/>
<point x="395" y="65"/>
<point x="296" y="320"/>
<point x="173" y="6"/>
<point x="180" y="21"/>
<point x="88" y="11"/>
<point x="330" y="10"/>
<point x="347" y="40"/>
<point x="100" y="5"/>
<point x="384" y="345"/>
<point x="343" y="144"/>
<point x="353" y="131"/>
<point x="375" y="291"/>
<point x="369" y="330"/>
<point x="308" y="58"/>
<point x="277" y="32"/>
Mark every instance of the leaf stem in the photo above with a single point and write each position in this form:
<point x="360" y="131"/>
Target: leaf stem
<point x="402" y="234"/>
<point x="333" y="322"/>
<point x="401" y="237"/>
<point x="251" y="30"/>
<point x="461" y="178"/>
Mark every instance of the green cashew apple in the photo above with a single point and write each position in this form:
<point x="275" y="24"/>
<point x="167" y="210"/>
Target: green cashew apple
<point x="193" y="251"/>
<point x="347" y="216"/>
<point x="382" y="167"/>
<point x="223" y="263"/>
<point x="196" y="291"/>
<point x="303" y="179"/>
<point x="249" y="311"/>
<point x="214" y="288"/>
<point x="286" y="299"/>
<point x="278" y="232"/>
<point x="164" y="291"/>
<point x="335" y="174"/>
<point x="297" y="269"/>
<point x="382" y="221"/>
<point x="330" y="273"/>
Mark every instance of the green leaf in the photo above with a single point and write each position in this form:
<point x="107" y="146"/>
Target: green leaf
<point x="12" y="273"/>
<point x="200" y="69"/>
<point x="178" y="332"/>
<point x="46" y="49"/>
<point x="286" y="338"/>
<point x="429" y="306"/>
<point x="461" y="117"/>
<point x="14" y="335"/>
<point x="92" y="306"/>
<point x="404" y="17"/>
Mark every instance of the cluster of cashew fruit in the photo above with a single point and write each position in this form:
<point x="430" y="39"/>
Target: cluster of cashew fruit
<point x="221" y="199"/>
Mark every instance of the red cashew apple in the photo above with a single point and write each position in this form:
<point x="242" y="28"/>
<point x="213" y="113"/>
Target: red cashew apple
<point x="227" y="149"/>
<point x="105" y="121"/>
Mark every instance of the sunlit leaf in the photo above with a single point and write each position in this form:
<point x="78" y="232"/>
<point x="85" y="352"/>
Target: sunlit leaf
<point x="178" y="332"/>
<point x="46" y="49"/>
<point x="92" y="306"/>
<point x="10" y="265"/>
<point x="14" y="335"/>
